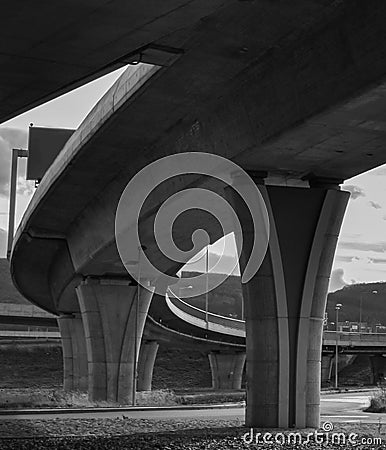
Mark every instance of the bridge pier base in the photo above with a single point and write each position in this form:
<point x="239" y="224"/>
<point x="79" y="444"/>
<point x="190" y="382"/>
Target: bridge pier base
<point x="75" y="372"/>
<point x="227" y="369"/>
<point x="285" y="301"/>
<point x="147" y="356"/>
<point x="378" y="366"/>
<point x="113" y="329"/>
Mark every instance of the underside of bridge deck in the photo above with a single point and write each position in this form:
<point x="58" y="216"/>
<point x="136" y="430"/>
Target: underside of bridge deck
<point x="294" y="89"/>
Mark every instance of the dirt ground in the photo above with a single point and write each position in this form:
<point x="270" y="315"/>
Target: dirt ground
<point x="25" y="366"/>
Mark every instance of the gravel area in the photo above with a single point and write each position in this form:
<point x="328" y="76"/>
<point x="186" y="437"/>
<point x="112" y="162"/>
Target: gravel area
<point x="103" y="426"/>
<point x="141" y="434"/>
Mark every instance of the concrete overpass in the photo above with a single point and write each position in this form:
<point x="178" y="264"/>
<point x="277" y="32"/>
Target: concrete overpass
<point x="227" y="366"/>
<point x="348" y="342"/>
<point x="292" y="91"/>
<point x="19" y="314"/>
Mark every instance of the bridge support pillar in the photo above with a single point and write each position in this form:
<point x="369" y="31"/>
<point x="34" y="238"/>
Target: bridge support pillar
<point x="114" y="317"/>
<point x="326" y="368"/>
<point x="227" y="369"/>
<point x="378" y="366"/>
<point x="75" y="372"/>
<point x="285" y="301"/>
<point x="147" y="355"/>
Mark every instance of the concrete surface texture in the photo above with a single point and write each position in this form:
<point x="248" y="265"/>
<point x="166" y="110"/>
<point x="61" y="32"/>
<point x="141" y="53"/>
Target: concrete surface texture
<point x="285" y="303"/>
<point x="227" y="369"/>
<point x="65" y="46"/>
<point x="147" y="355"/>
<point x="75" y="360"/>
<point x="114" y="315"/>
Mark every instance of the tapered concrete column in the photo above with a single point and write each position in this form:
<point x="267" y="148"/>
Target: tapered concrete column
<point x="114" y="317"/>
<point x="227" y="369"/>
<point x="378" y="366"/>
<point x="75" y="370"/>
<point x="326" y="368"/>
<point x="147" y="355"/>
<point x="285" y="302"/>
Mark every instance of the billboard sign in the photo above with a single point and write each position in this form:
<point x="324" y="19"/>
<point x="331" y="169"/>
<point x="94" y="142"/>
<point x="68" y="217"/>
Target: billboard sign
<point x="44" y="144"/>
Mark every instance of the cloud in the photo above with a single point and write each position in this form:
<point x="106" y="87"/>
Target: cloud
<point x="336" y="280"/>
<point x="227" y="264"/>
<point x="378" y="260"/>
<point x="3" y="243"/>
<point x="10" y="138"/>
<point x="355" y="191"/>
<point x="25" y="187"/>
<point x="379" y="172"/>
<point x="362" y="260"/>
<point x="378" y="247"/>
<point x="342" y="258"/>
<point x="351" y="235"/>
<point x="375" y="205"/>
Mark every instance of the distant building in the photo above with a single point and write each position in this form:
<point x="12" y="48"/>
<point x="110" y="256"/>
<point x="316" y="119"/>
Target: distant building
<point x="8" y="292"/>
<point x="380" y="328"/>
<point x="352" y="327"/>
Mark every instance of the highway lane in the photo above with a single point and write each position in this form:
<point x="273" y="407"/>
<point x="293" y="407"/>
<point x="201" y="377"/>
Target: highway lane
<point x="159" y="414"/>
<point x="349" y="407"/>
<point x="340" y="407"/>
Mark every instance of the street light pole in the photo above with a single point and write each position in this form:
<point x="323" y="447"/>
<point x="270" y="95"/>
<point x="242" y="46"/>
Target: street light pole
<point x="337" y="308"/>
<point x="360" y="313"/>
<point x="16" y="153"/>
<point x="374" y="292"/>
<point x="207" y="288"/>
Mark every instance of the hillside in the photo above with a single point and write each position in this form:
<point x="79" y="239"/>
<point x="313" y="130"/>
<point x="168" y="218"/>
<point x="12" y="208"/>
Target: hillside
<point x="225" y="299"/>
<point x="373" y="303"/>
<point x="8" y="292"/>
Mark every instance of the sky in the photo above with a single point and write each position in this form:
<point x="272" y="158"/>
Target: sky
<point x="67" y="111"/>
<point x="361" y="251"/>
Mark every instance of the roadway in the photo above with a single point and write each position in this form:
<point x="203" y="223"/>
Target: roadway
<point x="340" y="407"/>
<point x="182" y="316"/>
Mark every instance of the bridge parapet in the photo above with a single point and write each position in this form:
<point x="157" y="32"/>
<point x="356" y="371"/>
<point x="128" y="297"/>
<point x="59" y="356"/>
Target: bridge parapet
<point x="354" y="339"/>
<point x="207" y="320"/>
<point x="29" y="334"/>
